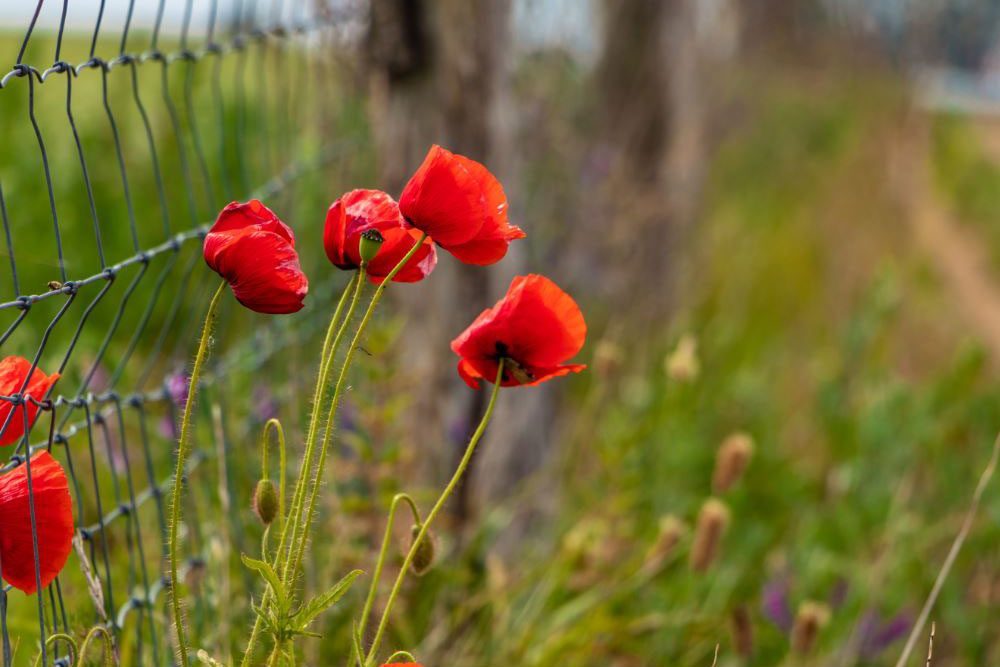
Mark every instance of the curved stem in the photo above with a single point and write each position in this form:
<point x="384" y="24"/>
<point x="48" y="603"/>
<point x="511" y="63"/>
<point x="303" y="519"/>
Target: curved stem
<point x="183" y="447"/>
<point x="405" y="655"/>
<point x="330" y="344"/>
<point x="383" y="552"/>
<point x="448" y="490"/>
<point x="302" y="483"/>
<point x="60" y="637"/>
<point x="109" y="646"/>
<point x="299" y="545"/>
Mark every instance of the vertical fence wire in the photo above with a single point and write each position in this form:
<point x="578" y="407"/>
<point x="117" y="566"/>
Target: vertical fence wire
<point x="207" y="112"/>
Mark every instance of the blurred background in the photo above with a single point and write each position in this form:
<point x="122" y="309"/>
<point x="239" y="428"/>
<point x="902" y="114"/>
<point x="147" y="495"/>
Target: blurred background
<point x="780" y="219"/>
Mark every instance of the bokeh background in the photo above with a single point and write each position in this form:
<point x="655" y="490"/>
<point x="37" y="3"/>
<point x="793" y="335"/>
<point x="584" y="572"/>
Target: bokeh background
<point x="780" y="218"/>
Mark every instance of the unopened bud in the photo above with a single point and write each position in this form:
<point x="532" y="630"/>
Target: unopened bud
<point x="713" y="519"/>
<point x="731" y="461"/>
<point x="810" y="619"/>
<point x="671" y="531"/>
<point x="423" y="557"/>
<point x="682" y="364"/>
<point x="369" y="244"/>
<point x="265" y="501"/>
<point x="741" y="626"/>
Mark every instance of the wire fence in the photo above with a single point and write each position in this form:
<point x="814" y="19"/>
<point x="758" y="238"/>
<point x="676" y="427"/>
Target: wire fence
<point x="114" y="164"/>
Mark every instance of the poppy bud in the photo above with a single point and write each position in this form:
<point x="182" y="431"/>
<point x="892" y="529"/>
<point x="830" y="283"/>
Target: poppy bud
<point x="713" y="519"/>
<point x="810" y="619"/>
<point x="369" y="243"/>
<point x="741" y="626"/>
<point x="731" y="461"/>
<point x="423" y="558"/>
<point x="265" y="501"/>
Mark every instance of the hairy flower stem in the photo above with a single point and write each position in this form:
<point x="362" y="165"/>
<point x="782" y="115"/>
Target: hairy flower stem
<point x="305" y="475"/>
<point x="183" y="449"/>
<point x="330" y="346"/>
<point x="299" y="544"/>
<point x="438" y="506"/>
<point x="334" y="335"/>
<point x="383" y="552"/>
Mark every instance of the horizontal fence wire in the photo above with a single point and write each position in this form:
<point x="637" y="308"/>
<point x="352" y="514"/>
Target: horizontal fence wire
<point x="181" y="129"/>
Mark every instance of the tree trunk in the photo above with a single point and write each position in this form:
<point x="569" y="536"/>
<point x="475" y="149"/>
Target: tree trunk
<point x="438" y="75"/>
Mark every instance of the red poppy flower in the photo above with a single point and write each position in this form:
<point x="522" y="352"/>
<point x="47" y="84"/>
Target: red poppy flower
<point x="13" y="371"/>
<point x="460" y="205"/>
<point x="361" y="210"/>
<point x="402" y="664"/>
<point x="53" y="523"/>
<point x="255" y="252"/>
<point x="535" y="328"/>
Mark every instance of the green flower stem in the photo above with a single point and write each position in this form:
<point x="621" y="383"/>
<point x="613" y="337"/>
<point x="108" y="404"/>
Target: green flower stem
<point x="275" y="425"/>
<point x="183" y="447"/>
<point x="401" y="655"/>
<point x="383" y="552"/>
<point x="334" y="335"/>
<point x="330" y="345"/>
<point x="448" y="490"/>
<point x="299" y="544"/>
<point x="109" y="646"/>
<point x="305" y="475"/>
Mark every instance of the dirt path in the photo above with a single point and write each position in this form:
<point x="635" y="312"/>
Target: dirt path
<point x="955" y="250"/>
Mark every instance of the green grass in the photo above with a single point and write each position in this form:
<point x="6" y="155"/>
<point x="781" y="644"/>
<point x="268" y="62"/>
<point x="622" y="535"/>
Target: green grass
<point x="817" y="334"/>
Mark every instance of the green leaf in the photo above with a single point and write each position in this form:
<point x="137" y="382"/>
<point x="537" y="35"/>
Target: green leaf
<point x="266" y="571"/>
<point x="308" y="613"/>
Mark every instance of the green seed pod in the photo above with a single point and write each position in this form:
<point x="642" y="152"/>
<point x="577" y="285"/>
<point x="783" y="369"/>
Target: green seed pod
<point x="368" y="246"/>
<point x="424" y="556"/>
<point x="265" y="501"/>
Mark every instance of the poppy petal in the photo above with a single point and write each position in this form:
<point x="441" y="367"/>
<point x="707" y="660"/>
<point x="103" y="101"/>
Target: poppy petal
<point x="53" y="523"/>
<point x="255" y="252"/>
<point x="263" y="272"/>
<point x="237" y="215"/>
<point x="360" y="210"/>
<point x="535" y="328"/>
<point x="448" y="197"/>
<point x="13" y="371"/>
<point x="546" y="323"/>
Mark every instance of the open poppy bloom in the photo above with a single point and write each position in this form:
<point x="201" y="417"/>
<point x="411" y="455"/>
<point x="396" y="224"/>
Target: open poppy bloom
<point x="53" y="523"/>
<point x="535" y="328"/>
<point x="361" y="210"/>
<point x="255" y="252"/>
<point x="13" y="372"/>
<point x="402" y="664"/>
<point x="460" y="205"/>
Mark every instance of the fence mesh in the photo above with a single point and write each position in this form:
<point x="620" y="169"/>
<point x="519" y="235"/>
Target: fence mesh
<point x="122" y="140"/>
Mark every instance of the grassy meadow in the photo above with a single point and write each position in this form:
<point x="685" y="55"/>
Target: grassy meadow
<point x="809" y="318"/>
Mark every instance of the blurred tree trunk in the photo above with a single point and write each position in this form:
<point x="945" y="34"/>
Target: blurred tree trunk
<point x="438" y="74"/>
<point x="652" y="120"/>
